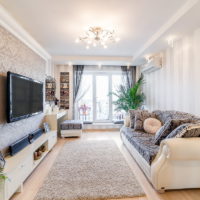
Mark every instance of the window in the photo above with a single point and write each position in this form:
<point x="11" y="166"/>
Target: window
<point x="102" y="97"/>
<point x="116" y="81"/>
<point x="84" y="107"/>
<point x="94" y="102"/>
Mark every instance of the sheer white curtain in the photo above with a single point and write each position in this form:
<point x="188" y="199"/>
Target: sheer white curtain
<point x="84" y="97"/>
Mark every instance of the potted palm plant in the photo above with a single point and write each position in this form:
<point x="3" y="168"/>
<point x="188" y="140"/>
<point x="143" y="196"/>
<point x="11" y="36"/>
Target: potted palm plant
<point x="2" y="164"/>
<point x="129" y="98"/>
<point x="2" y="175"/>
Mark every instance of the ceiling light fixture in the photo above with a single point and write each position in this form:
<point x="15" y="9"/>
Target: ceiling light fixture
<point x="97" y="36"/>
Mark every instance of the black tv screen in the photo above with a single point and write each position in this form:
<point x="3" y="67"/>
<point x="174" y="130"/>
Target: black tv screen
<point x="24" y="97"/>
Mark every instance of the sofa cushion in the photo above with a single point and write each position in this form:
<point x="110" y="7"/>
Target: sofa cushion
<point x="129" y="133"/>
<point x="151" y="125"/>
<point x="168" y="127"/>
<point x="145" y="146"/>
<point x="132" y="117"/>
<point x="142" y="142"/>
<point x="140" y="117"/>
<point x="71" y="124"/>
<point x="186" y="130"/>
<point x="164" y="116"/>
<point x="127" y="120"/>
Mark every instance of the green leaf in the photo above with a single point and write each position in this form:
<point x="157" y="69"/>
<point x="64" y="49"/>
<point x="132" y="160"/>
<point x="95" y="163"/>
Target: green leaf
<point x="129" y="98"/>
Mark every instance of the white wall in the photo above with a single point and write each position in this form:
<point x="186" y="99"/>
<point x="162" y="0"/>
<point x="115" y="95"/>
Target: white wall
<point x="177" y="85"/>
<point x="57" y="70"/>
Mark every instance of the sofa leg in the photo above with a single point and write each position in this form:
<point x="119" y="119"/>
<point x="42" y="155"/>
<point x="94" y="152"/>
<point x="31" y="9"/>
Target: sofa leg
<point x="161" y="191"/>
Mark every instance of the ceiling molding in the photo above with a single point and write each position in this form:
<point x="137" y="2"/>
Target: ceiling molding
<point x="118" y="60"/>
<point x="180" y="13"/>
<point x="9" y="23"/>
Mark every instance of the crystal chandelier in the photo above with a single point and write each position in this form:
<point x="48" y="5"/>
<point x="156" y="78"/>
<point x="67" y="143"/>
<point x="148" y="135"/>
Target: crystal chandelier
<point x="97" y="36"/>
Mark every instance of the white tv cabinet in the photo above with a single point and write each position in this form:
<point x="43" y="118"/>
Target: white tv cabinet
<point x="20" y="166"/>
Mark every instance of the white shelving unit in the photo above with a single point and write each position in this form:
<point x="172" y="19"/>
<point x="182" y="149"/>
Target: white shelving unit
<point x="21" y="165"/>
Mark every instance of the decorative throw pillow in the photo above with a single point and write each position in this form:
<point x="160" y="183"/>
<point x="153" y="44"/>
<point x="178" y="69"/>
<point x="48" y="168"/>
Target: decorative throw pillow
<point x="132" y="117"/>
<point x="127" y="121"/>
<point x="168" y="127"/>
<point x="186" y="130"/>
<point x="163" y="116"/>
<point x="151" y="125"/>
<point x="139" y="119"/>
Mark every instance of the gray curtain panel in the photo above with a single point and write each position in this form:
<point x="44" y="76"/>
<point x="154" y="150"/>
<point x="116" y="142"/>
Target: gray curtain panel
<point x="128" y="75"/>
<point x="77" y="73"/>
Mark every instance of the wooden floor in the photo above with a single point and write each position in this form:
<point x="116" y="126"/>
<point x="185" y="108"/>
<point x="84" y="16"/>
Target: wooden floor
<point x="34" y="182"/>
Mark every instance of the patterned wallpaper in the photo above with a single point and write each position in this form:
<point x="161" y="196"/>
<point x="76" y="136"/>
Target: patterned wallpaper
<point x="15" y="56"/>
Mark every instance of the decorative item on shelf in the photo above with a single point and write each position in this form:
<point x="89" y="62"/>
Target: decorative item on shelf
<point x="46" y="127"/>
<point x="56" y="101"/>
<point x="98" y="36"/>
<point x="43" y="148"/>
<point x="39" y="152"/>
<point x="55" y="109"/>
<point x="64" y="90"/>
<point x="50" y="88"/>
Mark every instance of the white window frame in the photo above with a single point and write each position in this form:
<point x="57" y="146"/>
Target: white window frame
<point x="103" y="73"/>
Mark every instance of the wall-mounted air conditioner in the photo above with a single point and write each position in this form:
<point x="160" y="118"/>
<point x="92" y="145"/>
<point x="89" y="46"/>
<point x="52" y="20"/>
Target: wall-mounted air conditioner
<point x="153" y="64"/>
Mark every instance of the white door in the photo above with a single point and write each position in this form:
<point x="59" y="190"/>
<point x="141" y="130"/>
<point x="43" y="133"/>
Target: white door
<point x="102" y="98"/>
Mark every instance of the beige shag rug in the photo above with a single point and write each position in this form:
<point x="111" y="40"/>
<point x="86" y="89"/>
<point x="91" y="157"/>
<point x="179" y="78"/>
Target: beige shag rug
<point x="89" y="170"/>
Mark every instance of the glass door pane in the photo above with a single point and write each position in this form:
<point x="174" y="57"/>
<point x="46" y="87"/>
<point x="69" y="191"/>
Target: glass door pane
<point x="85" y="99"/>
<point x="102" y="98"/>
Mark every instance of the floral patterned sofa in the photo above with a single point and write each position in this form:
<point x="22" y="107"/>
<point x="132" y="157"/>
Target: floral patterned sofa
<point x="171" y="158"/>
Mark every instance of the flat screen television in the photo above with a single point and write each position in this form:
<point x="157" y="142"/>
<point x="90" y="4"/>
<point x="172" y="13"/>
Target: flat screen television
<point x="24" y="97"/>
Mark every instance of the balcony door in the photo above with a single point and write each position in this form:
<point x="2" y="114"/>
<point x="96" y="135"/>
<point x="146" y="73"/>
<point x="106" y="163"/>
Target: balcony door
<point x="95" y="101"/>
<point x="101" y="98"/>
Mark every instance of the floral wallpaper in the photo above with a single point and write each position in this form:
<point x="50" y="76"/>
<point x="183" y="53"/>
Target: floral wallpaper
<point x="16" y="57"/>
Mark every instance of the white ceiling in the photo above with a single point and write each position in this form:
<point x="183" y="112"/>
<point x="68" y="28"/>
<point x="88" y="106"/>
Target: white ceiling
<point x="56" y="24"/>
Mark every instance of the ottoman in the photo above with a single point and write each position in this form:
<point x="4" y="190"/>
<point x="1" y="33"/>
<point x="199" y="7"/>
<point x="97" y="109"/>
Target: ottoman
<point x="71" y="128"/>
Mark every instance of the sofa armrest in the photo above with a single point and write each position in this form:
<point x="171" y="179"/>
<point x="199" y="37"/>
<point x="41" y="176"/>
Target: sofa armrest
<point x="181" y="148"/>
<point x="177" y="164"/>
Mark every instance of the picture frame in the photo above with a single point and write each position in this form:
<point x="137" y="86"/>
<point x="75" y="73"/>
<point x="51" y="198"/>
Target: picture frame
<point x="2" y="161"/>
<point x="46" y="127"/>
